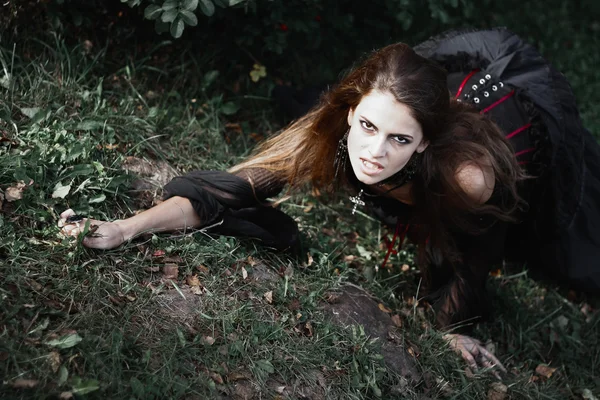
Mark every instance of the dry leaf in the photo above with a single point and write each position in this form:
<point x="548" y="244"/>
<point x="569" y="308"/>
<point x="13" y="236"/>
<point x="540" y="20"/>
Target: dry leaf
<point x="384" y="308"/>
<point x="216" y="377"/>
<point x="170" y="271"/>
<point x="15" y="192"/>
<point x="251" y="261"/>
<point x="54" y="361"/>
<point x="244" y="273"/>
<point x="24" y="383"/>
<point x="173" y="260"/>
<point x="158" y="253"/>
<point x="280" y="389"/>
<point x="396" y="320"/>
<point x="66" y="396"/>
<point x="197" y="290"/>
<point x="497" y="391"/>
<point x="405" y="267"/>
<point x="208" y="340"/>
<point x="305" y="329"/>
<point x="496" y="273"/>
<point x="202" y="269"/>
<point x="309" y="260"/>
<point x="289" y="271"/>
<point x="544" y="370"/>
<point x="587" y="394"/>
<point x="269" y="296"/>
<point x="193" y="280"/>
<point x="236" y="376"/>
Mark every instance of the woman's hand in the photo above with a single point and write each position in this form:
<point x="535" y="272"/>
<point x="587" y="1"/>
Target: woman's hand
<point x="100" y="235"/>
<point x="474" y="353"/>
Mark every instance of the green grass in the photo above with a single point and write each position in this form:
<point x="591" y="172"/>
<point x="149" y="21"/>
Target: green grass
<point x="72" y="117"/>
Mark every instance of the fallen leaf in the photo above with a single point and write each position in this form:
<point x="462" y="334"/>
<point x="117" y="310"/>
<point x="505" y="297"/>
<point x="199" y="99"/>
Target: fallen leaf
<point x="197" y="290"/>
<point x="236" y="376"/>
<point x="269" y="296"/>
<point x="54" y="361"/>
<point x="208" y="340"/>
<point x="587" y="394"/>
<point x="66" y="396"/>
<point x="544" y="370"/>
<point x="309" y="261"/>
<point x="496" y="273"/>
<point x="158" y="253"/>
<point x="244" y="273"/>
<point x="173" y="260"/>
<point x="216" y="377"/>
<point x="24" y="383"/>
<point x="170" y="271"/>
<point x="304" y="329"/>
<point x="15" y="192"/>
<point x="193" y="280"/>
<point x="280" y="389"/>
<point x="561" y="321"/>
<point x="289" y="271"/>
<point x="251" y="261"/>
<point x="384" y="308"/>
<point x="405" y="267"/>
<point x="60" y="191"/>
<point x="203" y="269"/>
<point x="497" y="391"/>
<point x="396" y="320"/>
<point x="66" y="341"/>
<point x="84" y="386"/>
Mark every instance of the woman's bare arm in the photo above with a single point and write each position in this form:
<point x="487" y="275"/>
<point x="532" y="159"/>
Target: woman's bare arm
<point x="176" y="213"/>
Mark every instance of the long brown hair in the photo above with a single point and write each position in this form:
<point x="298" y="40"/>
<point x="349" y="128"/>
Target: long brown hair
<point x="457" y="134"/>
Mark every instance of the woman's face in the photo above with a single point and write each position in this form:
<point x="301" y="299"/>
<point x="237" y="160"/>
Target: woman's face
<point x="383" y="136"/>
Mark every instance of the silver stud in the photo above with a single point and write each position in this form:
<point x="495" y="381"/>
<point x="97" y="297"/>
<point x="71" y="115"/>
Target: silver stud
<point x="488" y="76"/>
<point x="476" y="100"/>
<point x="494" y="88"/>
<point x="481" y="81"/>
<point x="501" y="84"/>
<point x="486" y="94"/>
<point x="474" y="87"/>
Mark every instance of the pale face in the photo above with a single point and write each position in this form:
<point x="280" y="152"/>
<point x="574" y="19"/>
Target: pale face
<point x="383" y="137"/>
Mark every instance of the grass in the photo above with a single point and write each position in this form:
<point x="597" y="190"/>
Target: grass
<point x="111" y="324"/>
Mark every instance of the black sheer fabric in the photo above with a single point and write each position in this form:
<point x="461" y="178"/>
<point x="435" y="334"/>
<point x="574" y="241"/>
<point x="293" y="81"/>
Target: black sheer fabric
<point x="230" y="205"/>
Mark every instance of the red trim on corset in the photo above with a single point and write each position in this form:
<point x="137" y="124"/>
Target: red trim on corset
<point x="391" y="245"/>
<point x="520" y="153"/>
<point x="503" y="99"/>
<point x="521" y="129"/>
<point x="464" y="82"/>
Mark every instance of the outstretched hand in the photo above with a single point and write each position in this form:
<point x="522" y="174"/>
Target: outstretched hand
<point x="99" y="235"/>
<point x="474" y="353"/>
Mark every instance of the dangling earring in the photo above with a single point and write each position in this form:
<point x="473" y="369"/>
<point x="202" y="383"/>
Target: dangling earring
<point x="407" y="173"/>
<point x="412" y="167"/>
<point x="341" y="155"/>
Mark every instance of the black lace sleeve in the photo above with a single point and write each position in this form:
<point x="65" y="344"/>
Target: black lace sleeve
<point x="457" y="291"/>
<point x="235" y="204"/>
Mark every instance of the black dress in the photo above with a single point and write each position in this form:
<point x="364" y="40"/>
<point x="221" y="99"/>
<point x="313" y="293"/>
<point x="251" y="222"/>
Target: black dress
<point x="534" y="105"/>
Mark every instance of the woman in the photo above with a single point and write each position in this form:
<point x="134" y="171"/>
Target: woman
<point x="453" y="171"/>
